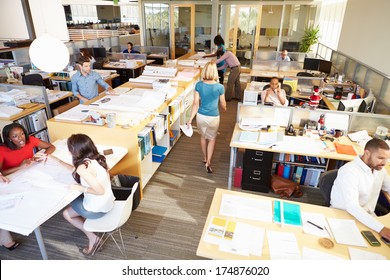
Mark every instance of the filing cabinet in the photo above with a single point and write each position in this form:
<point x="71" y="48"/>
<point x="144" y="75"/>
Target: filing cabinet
<point x="257" y="168"/>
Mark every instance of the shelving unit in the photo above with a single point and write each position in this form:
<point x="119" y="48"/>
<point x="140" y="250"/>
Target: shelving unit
<point x="33" y="118"/>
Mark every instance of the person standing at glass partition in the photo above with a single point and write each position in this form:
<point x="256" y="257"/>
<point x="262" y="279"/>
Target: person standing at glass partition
<point x="220" y="44"/>
<point x="233" y="83"/>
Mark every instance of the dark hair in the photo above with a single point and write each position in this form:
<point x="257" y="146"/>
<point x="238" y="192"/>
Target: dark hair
<point x="131" y="44"/>
<point x="220" y="52"/>
<point x="375" y="144"/>
<point x="218" y="40"/>
<point x="83" y="59"/>
<point x="274" y="78"/>
<point x="86" y="53"/>
<point x="83" y="150"/>
<point x="7" y="130"/>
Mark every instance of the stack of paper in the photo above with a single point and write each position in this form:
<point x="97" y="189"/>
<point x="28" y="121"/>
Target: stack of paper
<point x="8" y="111"/>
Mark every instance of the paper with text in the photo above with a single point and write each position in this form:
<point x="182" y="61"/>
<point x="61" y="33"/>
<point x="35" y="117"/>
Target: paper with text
<point x="346" y="232"/>
<point x="283" y="245"/>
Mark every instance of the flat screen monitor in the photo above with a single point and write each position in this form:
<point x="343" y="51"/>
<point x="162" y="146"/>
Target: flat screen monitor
<point x="311" y="64"/>
<point x="325" y="66"/>
<point x="99" y="52"/>
<point x="354" y="105"/>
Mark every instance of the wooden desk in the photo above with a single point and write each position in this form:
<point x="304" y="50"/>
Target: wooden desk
<point x="124" y="72"/>
<point x="330" y="103"/>
<point x="211" y="251"/>
<point x="118" y="136"/>
<point x="235" y="144"/>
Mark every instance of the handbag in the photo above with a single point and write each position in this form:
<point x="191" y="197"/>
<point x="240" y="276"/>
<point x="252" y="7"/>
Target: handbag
<point x="285" y="187"/>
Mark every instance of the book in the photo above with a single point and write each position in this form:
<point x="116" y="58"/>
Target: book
<point x="303" y="177"/>
<point x="287" y="213"/>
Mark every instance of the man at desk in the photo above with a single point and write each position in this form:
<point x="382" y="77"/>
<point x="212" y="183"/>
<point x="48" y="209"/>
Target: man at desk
<point x="85" y="82"/>
<point x="359" y="182"/>
<point x="283" y="56"/>
<point x="274" y="94"/>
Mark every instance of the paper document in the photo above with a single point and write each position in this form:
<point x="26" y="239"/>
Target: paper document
<point x="188" y="131"/>
<point x="312" y="254"/>
<point x="287" y="213"/>
<point x="235" y="238"/>
<point x="346" y="232"/>
<point x="317" y="221"/>
<point x="283" y="246"/>
<point x="9" y="202"/>
<point x="357" y="254"/>
<point x="246" y="208"/>
<point x="249" y="136"/>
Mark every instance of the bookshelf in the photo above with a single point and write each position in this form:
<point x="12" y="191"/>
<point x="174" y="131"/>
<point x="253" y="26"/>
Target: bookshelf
<point x="34" y="115"/>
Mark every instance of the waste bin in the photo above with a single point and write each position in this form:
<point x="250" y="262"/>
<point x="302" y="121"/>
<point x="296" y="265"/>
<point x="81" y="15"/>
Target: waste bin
<point x="122" y="187"/>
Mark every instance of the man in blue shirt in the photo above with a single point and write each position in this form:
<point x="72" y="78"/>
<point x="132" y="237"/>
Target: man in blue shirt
<point x="85" y="82"/>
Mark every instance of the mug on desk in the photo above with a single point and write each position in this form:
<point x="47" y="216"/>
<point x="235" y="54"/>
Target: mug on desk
<point x="338" y="133"/>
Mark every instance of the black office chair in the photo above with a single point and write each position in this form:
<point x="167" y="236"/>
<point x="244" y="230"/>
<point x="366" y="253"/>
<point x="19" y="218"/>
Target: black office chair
<point x="325" y="184"/>
<point x="287" y="89"/>
<point x="35" y="80"/>
<point x="304" y="74"/>
<point x="98" y="64"/>
<point x="266" y="86"/>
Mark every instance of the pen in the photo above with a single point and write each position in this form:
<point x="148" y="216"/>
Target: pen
<point x="317" y="226"/>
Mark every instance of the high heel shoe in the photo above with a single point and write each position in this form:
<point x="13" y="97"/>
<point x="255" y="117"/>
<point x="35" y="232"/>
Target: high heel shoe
<point x="208" y="169"/>
<point x="13" y="246"/>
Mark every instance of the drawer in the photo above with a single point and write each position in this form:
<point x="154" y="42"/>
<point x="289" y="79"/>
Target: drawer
<point x="254" y="157"/>
<point x="255" y="179"/>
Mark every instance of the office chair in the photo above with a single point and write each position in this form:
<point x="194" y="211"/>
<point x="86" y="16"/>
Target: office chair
<point x="113" y="221"/>
<point x="304" y="74"/>
<point x="266" y="86"/>
<point x="287" y="89"/>
<point x="98" y="64"/>
<point x="325" y="184"/>
<point x="35" y="80"/>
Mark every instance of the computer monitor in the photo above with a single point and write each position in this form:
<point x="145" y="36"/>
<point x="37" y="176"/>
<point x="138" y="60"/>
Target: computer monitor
<point x="325" y="66"/>
<point x="311" y="64"/>
<point x="353" y="105"/>
<point x="99" y="52"/>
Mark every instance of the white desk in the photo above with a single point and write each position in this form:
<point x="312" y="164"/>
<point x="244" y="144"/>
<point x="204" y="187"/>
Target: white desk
<point x="63" y="154"/>
<point x="40" y="191"/>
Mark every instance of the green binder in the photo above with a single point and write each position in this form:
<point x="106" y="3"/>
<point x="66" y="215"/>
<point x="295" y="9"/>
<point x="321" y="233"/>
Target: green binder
<point x="291" y="213"/>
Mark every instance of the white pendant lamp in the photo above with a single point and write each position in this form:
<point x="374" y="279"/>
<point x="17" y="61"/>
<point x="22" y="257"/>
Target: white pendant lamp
<point x="49" y="54"/>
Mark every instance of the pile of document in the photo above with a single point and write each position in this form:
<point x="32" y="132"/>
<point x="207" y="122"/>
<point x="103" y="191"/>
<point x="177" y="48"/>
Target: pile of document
<point x="159" y="71"/>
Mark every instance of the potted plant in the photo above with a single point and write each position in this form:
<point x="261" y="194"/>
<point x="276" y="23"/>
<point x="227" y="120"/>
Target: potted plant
<point x="310" y="37"/>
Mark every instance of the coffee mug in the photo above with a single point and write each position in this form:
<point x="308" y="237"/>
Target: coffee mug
<point x="338" y="133"/>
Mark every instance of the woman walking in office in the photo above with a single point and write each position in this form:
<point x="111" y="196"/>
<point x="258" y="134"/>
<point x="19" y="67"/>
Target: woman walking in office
<point x="91" y="174"/>
<point x="233" y="83"/>
<point x="17" y="152"/>
<point x="208" y="94"/>
<point x="220" y="43"/>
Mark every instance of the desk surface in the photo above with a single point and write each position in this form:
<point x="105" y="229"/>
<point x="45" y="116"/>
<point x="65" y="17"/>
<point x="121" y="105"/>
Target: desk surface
<point x="302" y="148"/>
<point x="67" y="79"/>
<point x="43" y="191"/>
<point x="270" y="74"/>
<point x="211" y="251"/>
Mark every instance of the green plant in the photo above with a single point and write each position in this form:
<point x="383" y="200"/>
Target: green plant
<point x="311" y="34"/>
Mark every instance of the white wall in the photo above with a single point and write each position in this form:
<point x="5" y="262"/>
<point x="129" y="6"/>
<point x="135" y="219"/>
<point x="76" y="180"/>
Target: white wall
<point x="365" y="33"/>
<point x="49" y="17"/>
<point x="12" y="20"/>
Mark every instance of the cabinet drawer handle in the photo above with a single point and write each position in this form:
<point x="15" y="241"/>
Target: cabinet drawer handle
<point x="258" y="159"/>
<point x="256" y="172"/>
<point x="256" y="178"/>
<point x="259" y="153"/>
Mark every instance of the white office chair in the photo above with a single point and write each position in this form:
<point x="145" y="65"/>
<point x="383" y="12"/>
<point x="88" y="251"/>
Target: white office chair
<point x="112" y="221"/>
